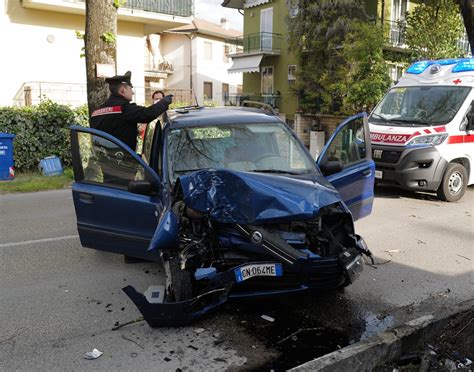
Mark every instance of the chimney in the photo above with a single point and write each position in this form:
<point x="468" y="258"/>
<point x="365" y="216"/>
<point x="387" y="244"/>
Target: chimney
<point x="225" y="24"/>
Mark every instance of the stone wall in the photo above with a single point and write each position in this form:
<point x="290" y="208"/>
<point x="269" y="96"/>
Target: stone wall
<point x="305" y="123"/>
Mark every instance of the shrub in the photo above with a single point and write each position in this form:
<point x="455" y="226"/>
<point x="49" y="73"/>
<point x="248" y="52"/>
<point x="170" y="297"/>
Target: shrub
<point x="41" y="131"/>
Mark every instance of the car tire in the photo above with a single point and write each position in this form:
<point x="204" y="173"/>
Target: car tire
<point x="454" y="183"/>
<point x="179" y="282"/>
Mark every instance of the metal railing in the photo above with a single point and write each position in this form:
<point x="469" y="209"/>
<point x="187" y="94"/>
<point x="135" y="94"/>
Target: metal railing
<point x="182" y="8"/>
<point x="236" y="99"/>
<point x="265" y="42"/>
<point x="394" y="34"/>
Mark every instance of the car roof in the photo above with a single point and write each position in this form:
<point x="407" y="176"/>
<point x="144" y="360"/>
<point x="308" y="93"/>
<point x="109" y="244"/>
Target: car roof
<point x="217" y="116"/>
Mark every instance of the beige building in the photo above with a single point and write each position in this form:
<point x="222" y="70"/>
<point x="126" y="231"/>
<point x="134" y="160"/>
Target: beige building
<point x="41" y="52"/>
<point x="197" y="56"/>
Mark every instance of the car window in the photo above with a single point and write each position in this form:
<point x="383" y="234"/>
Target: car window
<point x="107" y="163"/>
<point x="239" y="147"/>
<point x="349" y="144"/>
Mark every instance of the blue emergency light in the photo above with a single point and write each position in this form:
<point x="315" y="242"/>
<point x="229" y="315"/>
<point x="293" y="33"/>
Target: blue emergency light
<point x="418" y="67"/>
<point x="464" y="65"/>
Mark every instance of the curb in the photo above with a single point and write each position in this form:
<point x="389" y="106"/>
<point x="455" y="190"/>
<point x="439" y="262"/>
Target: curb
<point x="386" y="346"/>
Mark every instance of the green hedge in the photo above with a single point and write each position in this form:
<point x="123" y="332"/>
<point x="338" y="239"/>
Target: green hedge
<point x="41" y="131"/>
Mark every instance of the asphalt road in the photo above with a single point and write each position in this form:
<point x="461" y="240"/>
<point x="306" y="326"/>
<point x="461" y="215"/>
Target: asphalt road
<point x="59" y="300"/>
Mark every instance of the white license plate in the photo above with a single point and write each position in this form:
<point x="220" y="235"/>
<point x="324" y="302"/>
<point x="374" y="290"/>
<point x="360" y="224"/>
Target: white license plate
<point x="250" y="271"/>
<point x="378" y="174"/>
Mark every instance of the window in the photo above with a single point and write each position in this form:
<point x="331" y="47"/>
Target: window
<point x="226" y="53"/>
<point x="291" y="75"/>
<point x="240" y="89"/>
<point x="267" y="80"/>
<point x="208" y="51"/>
<point x="105" y="162"/>
<point x="207" y="90"/>
<point x="266" y="28"/>
<point x="349" y="144"/>
<point x="225" y="92"/>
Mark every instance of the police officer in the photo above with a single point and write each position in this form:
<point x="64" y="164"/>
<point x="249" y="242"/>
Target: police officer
<point x="118" y="117"/>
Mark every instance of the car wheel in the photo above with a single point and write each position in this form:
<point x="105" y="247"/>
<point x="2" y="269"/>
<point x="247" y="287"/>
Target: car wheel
<point x="454" y="183"/>
<point x="179" y="285"/>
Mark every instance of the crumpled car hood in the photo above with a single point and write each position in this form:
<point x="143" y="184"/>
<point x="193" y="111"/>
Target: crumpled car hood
<point x="254" y="198"/>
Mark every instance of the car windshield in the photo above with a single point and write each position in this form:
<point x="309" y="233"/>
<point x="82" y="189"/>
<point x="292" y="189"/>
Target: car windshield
<point x="266" y="148"/>
<point x="424" y="106"/>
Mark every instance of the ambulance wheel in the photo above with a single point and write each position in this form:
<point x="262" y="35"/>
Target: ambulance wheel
<point x="179" y="285"/>
<point x="454" y="183"/>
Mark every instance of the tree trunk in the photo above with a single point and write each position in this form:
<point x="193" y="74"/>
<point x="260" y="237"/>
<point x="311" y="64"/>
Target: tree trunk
<point x="101" y="18"/>
<point x="467" y="12"/>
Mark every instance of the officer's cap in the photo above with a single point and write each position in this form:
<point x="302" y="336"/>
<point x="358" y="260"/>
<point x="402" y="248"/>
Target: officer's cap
<point x="120" y="79"/>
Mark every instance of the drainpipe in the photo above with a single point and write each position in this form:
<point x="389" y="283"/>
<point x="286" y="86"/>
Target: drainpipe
<point x="191" y="37"/>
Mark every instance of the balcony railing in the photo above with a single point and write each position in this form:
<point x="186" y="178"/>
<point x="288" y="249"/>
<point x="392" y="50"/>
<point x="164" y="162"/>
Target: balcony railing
<point x="182" y="8"/>
<point x="159" y="66"/>
<point x="236" y="99"/>
<point x="262" y="42"/>
<point x="394" y="34"/>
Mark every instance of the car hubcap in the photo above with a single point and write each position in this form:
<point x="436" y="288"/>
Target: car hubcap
<point x="455" y="183"/>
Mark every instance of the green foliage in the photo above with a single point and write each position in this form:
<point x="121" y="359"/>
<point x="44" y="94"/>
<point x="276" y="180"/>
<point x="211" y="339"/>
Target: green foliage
<point x="341" y="68"/>
<point x="108" y="37"/>
<point x="119" y="3"/>
<point x="433" y="30"/>
<point x="41" y="131"/>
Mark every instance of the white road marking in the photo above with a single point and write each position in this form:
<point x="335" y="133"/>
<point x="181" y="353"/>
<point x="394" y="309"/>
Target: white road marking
<point x="46" y="240"/>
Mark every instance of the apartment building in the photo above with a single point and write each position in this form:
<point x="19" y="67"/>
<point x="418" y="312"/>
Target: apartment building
<point x="41" y="52"/>
<point x="198" y="56"/>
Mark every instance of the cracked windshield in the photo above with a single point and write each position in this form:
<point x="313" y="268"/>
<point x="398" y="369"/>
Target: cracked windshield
<point x="244" y="147"/>
<point x="420" y="105"/>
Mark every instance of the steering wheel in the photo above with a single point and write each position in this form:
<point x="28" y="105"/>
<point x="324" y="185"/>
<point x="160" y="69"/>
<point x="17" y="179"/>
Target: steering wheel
<point x="264" y="156"/>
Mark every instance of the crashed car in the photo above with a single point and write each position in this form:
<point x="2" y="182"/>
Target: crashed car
<point x="230" y="201"/>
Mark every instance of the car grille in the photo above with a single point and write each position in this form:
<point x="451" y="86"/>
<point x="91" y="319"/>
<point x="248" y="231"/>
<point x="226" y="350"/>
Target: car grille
<point x="387" y="156"/>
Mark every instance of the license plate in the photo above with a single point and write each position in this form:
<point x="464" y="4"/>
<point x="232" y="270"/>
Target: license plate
<point x="250" y="271"/>
<point x="378" y="174"/>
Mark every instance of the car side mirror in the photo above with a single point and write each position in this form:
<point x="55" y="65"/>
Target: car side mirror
<point x="141" y="187"/>
<point x="331" y="167"/>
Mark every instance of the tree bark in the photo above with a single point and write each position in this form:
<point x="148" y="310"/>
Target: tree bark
<point x="467" y="12"/>
<point x="101" y="18"/>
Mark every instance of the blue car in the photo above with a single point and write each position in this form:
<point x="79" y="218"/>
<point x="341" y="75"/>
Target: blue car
<point x="230" y="201"/>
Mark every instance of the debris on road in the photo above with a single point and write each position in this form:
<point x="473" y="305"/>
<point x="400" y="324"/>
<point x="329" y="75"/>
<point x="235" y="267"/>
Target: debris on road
<point x="94" y="354"/>
<point x="268" y="318"/>
<point x="199" y="330"/>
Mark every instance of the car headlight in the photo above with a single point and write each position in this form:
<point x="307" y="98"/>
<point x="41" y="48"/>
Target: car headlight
<point x="432" y="140"/>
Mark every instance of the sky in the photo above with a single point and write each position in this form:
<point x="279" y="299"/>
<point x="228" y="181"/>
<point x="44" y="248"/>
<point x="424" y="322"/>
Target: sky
<point x="212" y="11"/>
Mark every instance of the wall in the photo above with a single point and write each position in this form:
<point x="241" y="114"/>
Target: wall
<point x="305" y="123"/>
<point x="214" y="71"/>
<point x="41" y="46"/>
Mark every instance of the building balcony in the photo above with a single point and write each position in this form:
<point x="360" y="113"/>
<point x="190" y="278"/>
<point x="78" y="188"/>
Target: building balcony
<point x="157" y="15"/>
<point x="394" y="35"/>
<point x="262" y="43"/>
<point x="236" y="99"/>
<point x="159" y="69"/>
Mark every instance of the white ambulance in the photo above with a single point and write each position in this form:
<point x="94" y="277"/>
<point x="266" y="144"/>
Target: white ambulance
<point x="422" y="132"/>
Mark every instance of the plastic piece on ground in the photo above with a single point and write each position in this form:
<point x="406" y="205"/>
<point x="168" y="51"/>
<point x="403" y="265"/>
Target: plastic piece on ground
<point x="94" y="354"/>
<point x="268" y="318"/>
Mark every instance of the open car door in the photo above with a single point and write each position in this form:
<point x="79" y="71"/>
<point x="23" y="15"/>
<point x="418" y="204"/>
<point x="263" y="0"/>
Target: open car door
<point x="116" y="195"/>
<point x="346" y="161"/>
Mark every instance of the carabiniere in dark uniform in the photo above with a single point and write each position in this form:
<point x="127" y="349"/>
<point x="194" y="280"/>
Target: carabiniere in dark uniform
<point x="118" y="117"/>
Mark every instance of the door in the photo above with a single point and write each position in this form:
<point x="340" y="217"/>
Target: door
<point x="266" y="29"/>
<point x="267" y="85"/>
<point x="346" y="161"/>
<point x="109" y="216"/>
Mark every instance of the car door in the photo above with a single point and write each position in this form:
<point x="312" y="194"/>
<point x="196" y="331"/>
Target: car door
<point x="116" y="195"/>
<point x="346" y="161"/>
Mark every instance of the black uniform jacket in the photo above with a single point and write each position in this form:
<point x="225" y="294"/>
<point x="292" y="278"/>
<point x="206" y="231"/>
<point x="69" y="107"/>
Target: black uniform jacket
<point x="118" y="117"/>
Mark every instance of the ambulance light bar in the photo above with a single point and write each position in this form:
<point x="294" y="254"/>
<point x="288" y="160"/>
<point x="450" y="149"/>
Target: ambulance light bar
<point x="462" y="65"/>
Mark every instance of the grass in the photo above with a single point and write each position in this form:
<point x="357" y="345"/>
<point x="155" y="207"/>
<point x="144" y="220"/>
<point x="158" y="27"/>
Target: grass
<point x="34" y="181"/>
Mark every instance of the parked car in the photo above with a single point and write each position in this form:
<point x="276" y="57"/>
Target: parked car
<point x="232" y="203"/>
